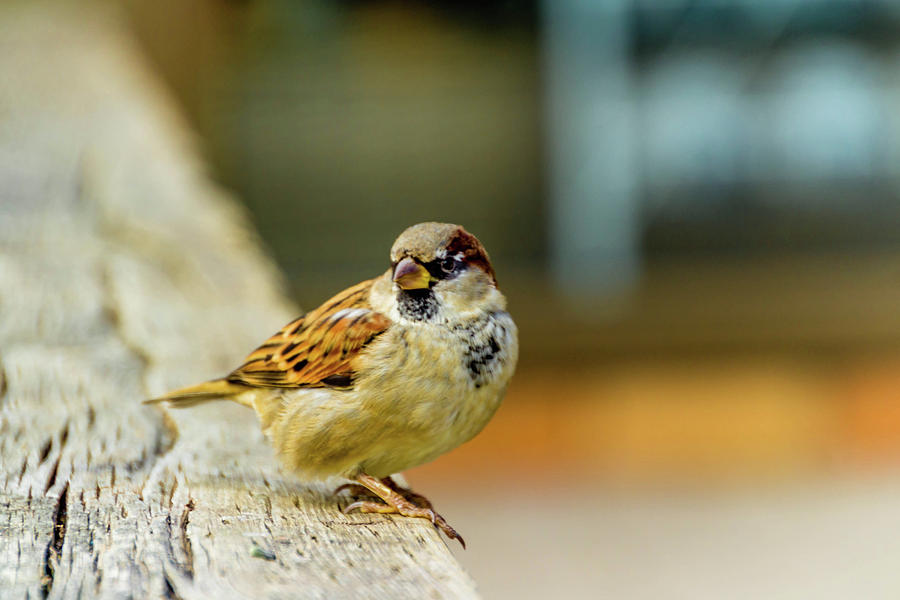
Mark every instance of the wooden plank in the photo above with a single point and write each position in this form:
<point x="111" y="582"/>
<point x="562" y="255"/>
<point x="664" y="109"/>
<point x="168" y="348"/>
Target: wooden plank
<point x="123" y="273"/>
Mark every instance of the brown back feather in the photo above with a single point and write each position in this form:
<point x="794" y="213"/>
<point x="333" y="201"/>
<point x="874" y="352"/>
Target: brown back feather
<point x="320" y="349"/>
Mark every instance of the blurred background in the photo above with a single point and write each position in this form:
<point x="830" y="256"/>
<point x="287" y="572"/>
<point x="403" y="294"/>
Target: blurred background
<point x="692" y="206"/>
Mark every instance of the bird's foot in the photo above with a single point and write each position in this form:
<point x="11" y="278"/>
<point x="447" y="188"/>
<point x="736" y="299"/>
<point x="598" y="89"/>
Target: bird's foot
<point x="358" y="490"/>
<point x="417" y="499"/>
<point x="397" y="500"/>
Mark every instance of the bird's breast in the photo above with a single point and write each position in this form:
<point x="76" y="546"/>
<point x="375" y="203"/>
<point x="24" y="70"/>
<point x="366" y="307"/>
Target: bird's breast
<point x="421" y="391"/>
<point x="443" y="381"/>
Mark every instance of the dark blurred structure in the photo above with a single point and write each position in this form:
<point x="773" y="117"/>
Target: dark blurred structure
<point x="708" y="128"/>
<point x="768" y="126"/>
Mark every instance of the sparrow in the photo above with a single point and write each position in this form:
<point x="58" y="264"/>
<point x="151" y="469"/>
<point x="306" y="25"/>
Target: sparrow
<point x="384" y="376"/>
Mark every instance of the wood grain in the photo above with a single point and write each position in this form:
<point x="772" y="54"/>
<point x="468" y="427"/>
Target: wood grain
<point x="123" y="273"/>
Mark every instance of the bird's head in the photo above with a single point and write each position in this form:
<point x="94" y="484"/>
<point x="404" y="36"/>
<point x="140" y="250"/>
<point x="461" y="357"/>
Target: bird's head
<point x="442" y="268"/>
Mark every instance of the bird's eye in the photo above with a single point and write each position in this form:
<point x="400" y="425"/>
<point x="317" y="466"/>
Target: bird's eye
<point x="449" y="265"/>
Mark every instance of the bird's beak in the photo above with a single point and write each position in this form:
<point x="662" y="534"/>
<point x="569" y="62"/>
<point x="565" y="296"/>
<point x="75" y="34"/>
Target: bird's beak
<point x="410" y="275"/>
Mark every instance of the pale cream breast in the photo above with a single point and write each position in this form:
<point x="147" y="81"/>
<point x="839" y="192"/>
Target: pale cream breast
<point x="415" y="398"/>
<point x="438" y="403"/>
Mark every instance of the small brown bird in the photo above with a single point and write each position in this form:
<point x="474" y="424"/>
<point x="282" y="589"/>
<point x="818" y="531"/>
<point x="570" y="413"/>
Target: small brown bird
<point x="386" y="375"/>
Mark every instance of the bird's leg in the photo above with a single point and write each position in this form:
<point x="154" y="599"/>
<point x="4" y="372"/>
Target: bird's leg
<point x="397" y="502"/>
<point x="417" y="499"/>
<point x="357" y="489"/>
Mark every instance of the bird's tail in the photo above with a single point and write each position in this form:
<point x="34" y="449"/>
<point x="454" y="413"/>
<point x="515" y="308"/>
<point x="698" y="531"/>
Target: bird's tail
<point x="217" y="389"/>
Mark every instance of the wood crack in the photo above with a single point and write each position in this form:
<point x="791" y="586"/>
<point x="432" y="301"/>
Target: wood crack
<point x="51" y="479"/>
<point x="57" y="539"/>
<point x="45" y="450"/>
<point x="3" y="384"/>
<point x="169" y="588"/>
<point x="185" y="540"/>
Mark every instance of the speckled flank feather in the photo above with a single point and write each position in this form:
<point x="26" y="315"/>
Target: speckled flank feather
<point x="318" y="349"/>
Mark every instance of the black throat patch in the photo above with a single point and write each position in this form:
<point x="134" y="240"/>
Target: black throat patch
<point x="417" y="305"/>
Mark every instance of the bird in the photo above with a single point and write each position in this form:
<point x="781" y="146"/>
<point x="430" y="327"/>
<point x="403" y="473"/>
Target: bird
<point x="384" y="376"/>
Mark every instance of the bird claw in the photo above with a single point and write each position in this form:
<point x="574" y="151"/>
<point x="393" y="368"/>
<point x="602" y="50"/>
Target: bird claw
<point x="406" y="509"/>
<point x="449" y="531"/>
<point x="357" y="489"/>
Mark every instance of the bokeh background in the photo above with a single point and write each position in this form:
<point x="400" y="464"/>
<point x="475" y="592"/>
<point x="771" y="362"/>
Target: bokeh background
<point x="692" y="206"/>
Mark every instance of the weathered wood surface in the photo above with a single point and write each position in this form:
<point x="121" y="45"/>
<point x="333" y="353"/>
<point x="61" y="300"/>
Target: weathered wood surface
<point x="124" y="273"/>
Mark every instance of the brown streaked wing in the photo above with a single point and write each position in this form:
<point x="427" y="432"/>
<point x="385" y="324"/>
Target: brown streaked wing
<point x="320" y="348"/>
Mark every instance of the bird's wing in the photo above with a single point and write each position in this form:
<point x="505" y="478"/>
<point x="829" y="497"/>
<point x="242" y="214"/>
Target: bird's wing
<point x="320" y="349"/>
